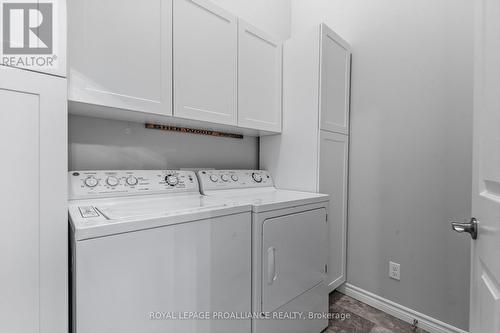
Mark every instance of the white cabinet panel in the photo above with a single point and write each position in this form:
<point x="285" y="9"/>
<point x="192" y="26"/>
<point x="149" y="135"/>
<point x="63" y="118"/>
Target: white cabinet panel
<point x="335" y="82"/>
<point x="205" y="62"/>
<point x="295" y="151"/>
<point x="334" y="158"/>
<point x="259" y="79"/>
<point x="121" y="54"/>
<point x="19" y="243"/>
<point x="33" y="244"/>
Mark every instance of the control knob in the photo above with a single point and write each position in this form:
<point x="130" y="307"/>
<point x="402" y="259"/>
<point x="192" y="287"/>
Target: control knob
<point x="234" y="178"/>
<point x="172" y="180"/>
<point x="257" y="177"/>
<point x="132" y="181"/>
<point x="91" y="181"/>
<point x="112" y="181"/>
<point x="214" y="178"/>
<point x="224" y="178"/>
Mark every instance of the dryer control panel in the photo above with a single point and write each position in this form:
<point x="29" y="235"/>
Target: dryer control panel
<point x="233" y="179"/>
<point x="94" y="184"/>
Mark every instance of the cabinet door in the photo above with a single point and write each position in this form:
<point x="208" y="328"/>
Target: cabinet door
<point x="120" y="54"/>
<point x="259" y="79"/>
<point x="334" y="153"/>
<point x="335" y="82"/>
<point x="205" y="62"/>
<point x="39" y="42"/>
<point x="33" y="242"/>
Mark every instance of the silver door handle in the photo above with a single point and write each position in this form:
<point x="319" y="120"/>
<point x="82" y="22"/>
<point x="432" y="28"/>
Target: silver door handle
<point x="271" y="265"/>
<point x="470" y="227"/>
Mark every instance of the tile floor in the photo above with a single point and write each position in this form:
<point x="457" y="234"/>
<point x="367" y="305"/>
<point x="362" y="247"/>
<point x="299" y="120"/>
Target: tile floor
<point x="363" y="318"/>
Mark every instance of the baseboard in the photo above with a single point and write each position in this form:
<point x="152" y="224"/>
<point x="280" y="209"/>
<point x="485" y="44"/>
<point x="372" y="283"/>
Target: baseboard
<point x="425" y="322"/>
<point x="337" y="283"/>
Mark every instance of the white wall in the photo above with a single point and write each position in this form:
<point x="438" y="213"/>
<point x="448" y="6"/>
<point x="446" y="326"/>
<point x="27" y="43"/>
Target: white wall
<point x="110" y="144"/>
<point x="272" y="16"/>
<point x="410" y="146"/>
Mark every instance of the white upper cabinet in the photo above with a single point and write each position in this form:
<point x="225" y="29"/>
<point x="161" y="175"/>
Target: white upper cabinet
<point x="335" y="74"/>
<point x="179" y="58"/>
<point x="205" y="62"/>
<point x="259" y="79"/>
<point x="120" y="54"/>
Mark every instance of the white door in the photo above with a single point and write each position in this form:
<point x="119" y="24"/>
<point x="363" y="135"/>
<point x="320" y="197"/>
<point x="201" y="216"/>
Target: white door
<point x="205" y="62"/>
<point x="485" y="279"/>
<point x="33" y="240"/>
<point x="294" y="254"/>
<point x="191" y="267"/>
<point x="259" y="79"/>
<point x="120" y="54"/>
<point x="335" y="82"/>
<point x="333" y="175"/>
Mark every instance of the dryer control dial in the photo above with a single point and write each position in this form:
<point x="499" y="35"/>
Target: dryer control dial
<point x="211" y="180"/>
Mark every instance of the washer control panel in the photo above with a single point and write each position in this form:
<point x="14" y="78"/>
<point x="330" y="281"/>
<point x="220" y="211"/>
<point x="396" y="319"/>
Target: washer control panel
<point x="92" y="184"/>
<point x="233" y="179"/>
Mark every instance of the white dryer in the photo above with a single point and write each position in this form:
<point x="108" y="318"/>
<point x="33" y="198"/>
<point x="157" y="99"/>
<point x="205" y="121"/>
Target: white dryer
<point x="150" y="254"/>
<point x="289" y="249"/>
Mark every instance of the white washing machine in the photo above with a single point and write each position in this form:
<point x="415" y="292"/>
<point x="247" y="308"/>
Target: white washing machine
<point x="150" y="254"/>
<point x="289" y="249"/>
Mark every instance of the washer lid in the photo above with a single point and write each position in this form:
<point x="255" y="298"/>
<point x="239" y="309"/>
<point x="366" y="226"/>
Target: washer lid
<point x="103" y="217"/>
<point x="159" y="206"/>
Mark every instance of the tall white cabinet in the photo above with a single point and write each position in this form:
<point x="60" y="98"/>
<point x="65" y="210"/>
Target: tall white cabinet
<point x="312" y="153"/>
<point x="33" y="241"/>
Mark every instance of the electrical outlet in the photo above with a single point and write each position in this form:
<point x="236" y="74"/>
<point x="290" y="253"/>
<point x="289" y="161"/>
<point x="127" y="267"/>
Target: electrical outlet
<point x="394" y="270"/>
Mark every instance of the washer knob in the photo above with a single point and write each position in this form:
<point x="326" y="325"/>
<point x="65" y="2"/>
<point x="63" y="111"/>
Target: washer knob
<point x="234" y="178"/>
<point x="131" y="180"/>
<point x="112" y="181"/>
<point x="257" y="177"/>
<point x="214" y="178"/>
<point x="172" y="180"/>
<point x="91" y="181"/>
<point x="224" y="178"/>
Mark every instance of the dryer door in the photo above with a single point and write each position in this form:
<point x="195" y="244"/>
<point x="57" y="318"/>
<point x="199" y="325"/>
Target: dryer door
<point x="294" y="256"/>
